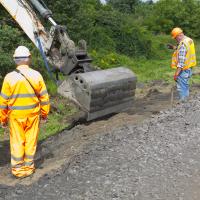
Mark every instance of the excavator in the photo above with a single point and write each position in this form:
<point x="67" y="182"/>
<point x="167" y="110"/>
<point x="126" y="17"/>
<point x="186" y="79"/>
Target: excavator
<point x="97" y="92"/>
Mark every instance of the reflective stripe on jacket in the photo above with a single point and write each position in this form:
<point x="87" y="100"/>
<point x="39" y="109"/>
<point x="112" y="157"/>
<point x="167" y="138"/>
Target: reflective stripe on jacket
<point x="190" y="60"/>
<point x="18" y="97"/>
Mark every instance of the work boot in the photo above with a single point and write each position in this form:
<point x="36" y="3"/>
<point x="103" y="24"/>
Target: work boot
<point x="21" y="177"/>
<point x="30" y="174"/>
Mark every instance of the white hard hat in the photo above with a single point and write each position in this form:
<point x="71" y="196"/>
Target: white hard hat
<point x="21" y="51"/>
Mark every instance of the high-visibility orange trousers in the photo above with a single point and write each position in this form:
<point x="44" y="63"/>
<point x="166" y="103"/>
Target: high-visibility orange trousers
<point x="23" y="144"/>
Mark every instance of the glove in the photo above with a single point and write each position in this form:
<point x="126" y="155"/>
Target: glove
<point x="175" y="77"/>
<point x="43" y="120"/>
<point x="171" y="46"/>
<point x="4" y="125"/>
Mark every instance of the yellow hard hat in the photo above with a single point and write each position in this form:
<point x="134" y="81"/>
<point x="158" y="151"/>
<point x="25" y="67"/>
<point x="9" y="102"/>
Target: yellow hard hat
<point x="21" y="51"/>
<point x="176" y="31"/>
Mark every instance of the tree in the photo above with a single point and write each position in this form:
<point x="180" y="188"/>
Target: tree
<point x="126" y="6"/>
<point x="167" y="14"/>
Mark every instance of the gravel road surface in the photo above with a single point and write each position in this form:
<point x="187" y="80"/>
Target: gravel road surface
<point x="156" y="160"/>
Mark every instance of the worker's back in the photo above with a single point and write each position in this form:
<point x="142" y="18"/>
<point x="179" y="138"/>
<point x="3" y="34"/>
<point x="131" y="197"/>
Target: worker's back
<point x="21" y="96"/>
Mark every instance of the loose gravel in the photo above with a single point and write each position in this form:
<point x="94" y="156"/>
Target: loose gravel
<point x="156" y="160"/>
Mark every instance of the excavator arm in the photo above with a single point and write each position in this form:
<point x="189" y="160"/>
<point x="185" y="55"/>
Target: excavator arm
<point x="98" y="93"/>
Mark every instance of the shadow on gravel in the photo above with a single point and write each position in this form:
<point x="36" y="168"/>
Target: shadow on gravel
<point x="80" y="119"/>
<point x="4" y="153"/>
<point x="87" y="123"/>
<point x="42" y="154"/>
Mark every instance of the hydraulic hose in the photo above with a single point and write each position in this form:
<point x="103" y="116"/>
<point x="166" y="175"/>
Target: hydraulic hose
<point x="41" y="8"/>
<point x="45" y="59"/>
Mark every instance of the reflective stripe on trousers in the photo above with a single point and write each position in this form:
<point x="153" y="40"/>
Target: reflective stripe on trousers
<point x="23" y="143"/>
<point x="183" y="84"/>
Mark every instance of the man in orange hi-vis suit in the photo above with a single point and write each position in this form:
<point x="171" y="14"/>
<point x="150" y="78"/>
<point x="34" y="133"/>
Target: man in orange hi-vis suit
<point x="24" y="101"/>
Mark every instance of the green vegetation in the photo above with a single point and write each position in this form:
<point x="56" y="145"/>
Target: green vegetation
<point x="61" y="110"/>
<point x="129" y="33"/>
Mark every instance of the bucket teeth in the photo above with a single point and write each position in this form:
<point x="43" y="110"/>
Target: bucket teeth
<point x="102" y="92"/>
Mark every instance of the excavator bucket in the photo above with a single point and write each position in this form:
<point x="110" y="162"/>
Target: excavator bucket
<point x="101" y="92"/>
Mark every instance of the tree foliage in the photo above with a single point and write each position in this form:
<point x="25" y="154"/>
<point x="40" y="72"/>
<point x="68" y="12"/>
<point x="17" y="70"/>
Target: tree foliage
<point x="130" y="27"/>
<point x="171" y="13"/>
<point x="126" y="6"/>
<point x="10" y="38"/>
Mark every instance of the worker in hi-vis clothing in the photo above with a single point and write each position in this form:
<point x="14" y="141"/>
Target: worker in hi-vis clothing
<point x="183" y="59"/>
<point x="24" y="101"/>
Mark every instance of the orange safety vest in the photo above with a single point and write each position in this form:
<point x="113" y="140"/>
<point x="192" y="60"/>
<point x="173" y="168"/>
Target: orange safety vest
<point x="190" y="60"/>
<point x="18" y="98"/>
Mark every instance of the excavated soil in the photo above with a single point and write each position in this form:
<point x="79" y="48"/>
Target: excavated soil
<point x="148" y="152"/>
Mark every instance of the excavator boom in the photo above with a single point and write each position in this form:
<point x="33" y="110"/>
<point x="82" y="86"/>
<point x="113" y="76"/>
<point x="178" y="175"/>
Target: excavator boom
<point x="26" y="18"/>
<point x="97" y="92"/>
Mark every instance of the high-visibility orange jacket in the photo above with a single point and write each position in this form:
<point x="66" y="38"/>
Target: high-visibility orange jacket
<point x="190" y="60"/>
<point x="18" y="98"/>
